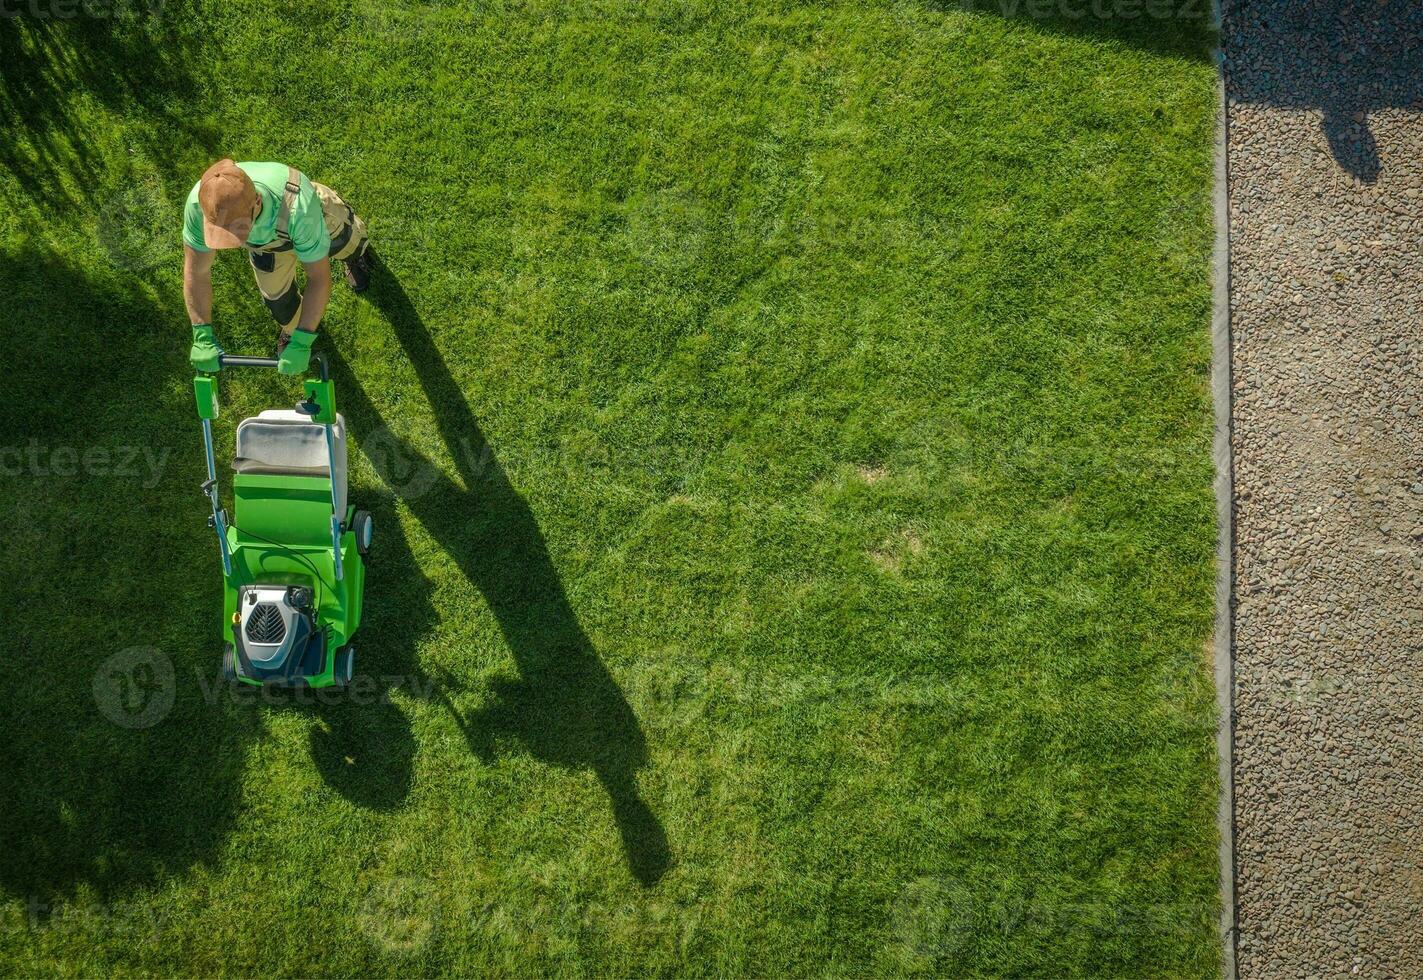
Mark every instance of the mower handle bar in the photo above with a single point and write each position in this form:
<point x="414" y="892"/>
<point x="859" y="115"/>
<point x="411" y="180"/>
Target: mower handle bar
<point x="239" y="360"/>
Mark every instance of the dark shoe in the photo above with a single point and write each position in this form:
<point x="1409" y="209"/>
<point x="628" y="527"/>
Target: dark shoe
<point x="282" y="340"/>
<point x="358" y="270"/>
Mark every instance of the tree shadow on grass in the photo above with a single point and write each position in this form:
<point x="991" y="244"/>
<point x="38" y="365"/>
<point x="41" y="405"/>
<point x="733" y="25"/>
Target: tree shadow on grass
<point x="565" y="708"/>
<point x="1173" y="28"/>
<point x="121" y="752"/>
<point x="135" y="60"/>
<point x="118" y="767"/>
<point x="1345" y="58"/>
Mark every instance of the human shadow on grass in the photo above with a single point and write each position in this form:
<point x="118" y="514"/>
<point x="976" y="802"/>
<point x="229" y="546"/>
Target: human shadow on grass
<point x="122" y="754"/>
<point x="118" y="769"/>
<point x="565" y="708"/>
<point x="362" y="743"/>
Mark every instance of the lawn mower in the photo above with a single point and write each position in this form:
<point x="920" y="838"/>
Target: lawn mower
<point x="293" y="555"/>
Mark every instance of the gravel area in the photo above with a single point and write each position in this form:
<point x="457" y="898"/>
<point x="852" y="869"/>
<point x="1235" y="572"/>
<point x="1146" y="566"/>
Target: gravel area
<point x="1325" y="158"/>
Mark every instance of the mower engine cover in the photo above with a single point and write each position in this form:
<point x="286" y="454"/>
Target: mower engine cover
<point x="274" y="627"/>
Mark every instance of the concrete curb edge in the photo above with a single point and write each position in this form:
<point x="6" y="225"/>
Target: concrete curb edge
<point x="1225" y="538"/>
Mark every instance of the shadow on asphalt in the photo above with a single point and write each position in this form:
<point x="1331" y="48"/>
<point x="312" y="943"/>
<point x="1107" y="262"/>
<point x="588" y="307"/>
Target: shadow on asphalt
<point x="565" y="709"/>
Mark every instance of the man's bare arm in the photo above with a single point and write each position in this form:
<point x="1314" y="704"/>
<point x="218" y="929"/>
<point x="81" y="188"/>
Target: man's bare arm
<point x="197" y="284"/>
<point x="318" y="294"/>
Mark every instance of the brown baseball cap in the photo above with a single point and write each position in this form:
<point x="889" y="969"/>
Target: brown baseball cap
<point x="228" y="199"/>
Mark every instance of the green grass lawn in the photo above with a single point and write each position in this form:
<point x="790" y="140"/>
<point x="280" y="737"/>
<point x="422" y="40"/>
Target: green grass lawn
<point x="787" y="430"/>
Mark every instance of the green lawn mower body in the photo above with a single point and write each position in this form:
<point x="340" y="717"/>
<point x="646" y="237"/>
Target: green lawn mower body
<point x="294" y="550"/>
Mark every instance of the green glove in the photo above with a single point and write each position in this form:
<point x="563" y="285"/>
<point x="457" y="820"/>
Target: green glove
<point x="297" y="354"/>
<point x="204" y="353"/>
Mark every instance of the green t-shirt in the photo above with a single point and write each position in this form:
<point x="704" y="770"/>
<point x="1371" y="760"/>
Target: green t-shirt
<point x="307" y="226"/>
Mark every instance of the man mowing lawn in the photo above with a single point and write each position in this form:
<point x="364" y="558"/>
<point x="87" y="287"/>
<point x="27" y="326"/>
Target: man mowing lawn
<point x="281" y="218"/>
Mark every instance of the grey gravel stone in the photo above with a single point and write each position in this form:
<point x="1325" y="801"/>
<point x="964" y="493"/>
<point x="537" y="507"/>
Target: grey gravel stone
<point x="1325" y="162"/>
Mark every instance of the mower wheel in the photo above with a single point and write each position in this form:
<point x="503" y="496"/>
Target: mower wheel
<point x="364" y="529"/>
<point x="229" y="669"/>
<point x="345" y="665"/>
